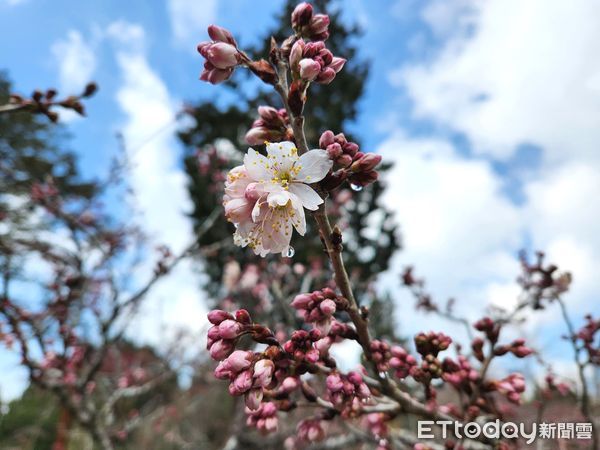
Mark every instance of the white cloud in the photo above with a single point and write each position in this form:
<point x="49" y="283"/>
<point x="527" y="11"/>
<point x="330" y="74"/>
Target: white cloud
<point x="76" y="61"/>
<point x="507" y="73"/>
<point x="515" y="72"/>
<point x="458" y="229"/>
<point x="189" y="19"/>
<point x="445" y="17"/>
<point x="159" y="184"/>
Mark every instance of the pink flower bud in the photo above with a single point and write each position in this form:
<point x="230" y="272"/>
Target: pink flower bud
<point x="242" y="383"/>
<point x="302" y="301"/>
<point x="289" y="384"/>
<point x="344" y="160"/>
<point x="327" y="306"/>
<point x="518" y="382"/>
<point x="253" y="398"/>
<point x="313" y="48"/>
<point x="216" y="316"/>
<point x="312" y="356"/>
<point x="214" y="75"/>
<point x="268" y="113"/>
<point x="213" y="332"/>
<point x="323" y="345"/>
<point x="326" y="76"/>
<point x="351" y="148"/>
<point x="522" y="352"/>
<point x="202" y="47"/>
<point x="368" y="162"/>
<point x="220" y="34"/>
<point x="319" y="23"/>
<point x="301" y="15"/>
<point x="337" y="63"/>
<point x="263" y="370"/>
<point x="242" y="316"/>
<point x="257" y="136"/>
<point x="222" y="55"/>
<point x="334" y="151"/>
<point x="239" y="360"/>
<point x="326" y="139"/>
<point x="355" y="378"/>
<point x="229" y="329"/>
<point x="296" y="53"/>
<point x="334" y="382"/>
<point x="309" y="69"/>
<point x="221" y="349"/>
<point x="222" y="371"/>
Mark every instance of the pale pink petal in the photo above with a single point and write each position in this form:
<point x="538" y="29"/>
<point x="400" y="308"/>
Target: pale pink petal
<point x="257" y="166"/>
<point x="238" y="209"/>
<point x="237" y="181"/>
<point x="307" y="195"/>
<point x="278" y="198"/>
<point x="257" y="209"/>
<point x="282" y="156"/>
<point x="313" y="166"/>
<point x="298" y="217"/>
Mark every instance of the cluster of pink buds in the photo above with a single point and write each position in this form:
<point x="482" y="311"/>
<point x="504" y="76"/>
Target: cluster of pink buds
<point x="273" y="125"/>
<point x="431" y="343"/>
<point x="301" y="346"/>
<point x="541" y="281"/>
<point x="402" y="362"/>
<point x="45" y="102"/>
<point x="381" y="354"/>
<point x="512" y="386"/>
<point x="377" y="425"/>
<point x="319" y="307"/>
<point x="225" y="330"/>
<point x="313" y="62"/>
<point x="247" y="375"/>
<point x="347" y="392"/>
<point x="587" y="336"/>
<point x="489" y="327"/>
<point x="340" y="150"/>
<point x="310" y="25"/>
<point x="349" y="163"/>
<point x="517" y="348"/>
<point x="221" y="54"/>
<point x="264" y="419"/>
<point x="477" y="347"/>
<point x="552" y="385"/>
<point x="310" y="430"/>
<point x="459" y="373"/>
<point x="394" y="357"/>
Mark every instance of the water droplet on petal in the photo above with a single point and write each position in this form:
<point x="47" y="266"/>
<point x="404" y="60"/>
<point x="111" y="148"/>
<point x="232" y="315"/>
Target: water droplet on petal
<point x="289" y="252"/>
<point x="356" y="187"/>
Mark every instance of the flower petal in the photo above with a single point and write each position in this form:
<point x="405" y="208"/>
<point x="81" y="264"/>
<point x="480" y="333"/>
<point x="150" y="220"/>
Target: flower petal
<point x="298" y="216"/>
<point x="313" y="166"/>
<point x="282" y="156"/>
<point x="278" y="198"/>
<point x="307" y="195"/>
<point x="257" y="166"/>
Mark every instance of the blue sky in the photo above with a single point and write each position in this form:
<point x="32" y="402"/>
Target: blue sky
<point x="489" y="110"/>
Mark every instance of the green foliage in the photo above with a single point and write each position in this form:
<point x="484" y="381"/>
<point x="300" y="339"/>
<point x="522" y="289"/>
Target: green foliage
<point x="30" y="423"/>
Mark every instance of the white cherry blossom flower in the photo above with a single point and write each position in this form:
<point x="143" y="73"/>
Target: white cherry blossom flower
<point x="265" y="198"/>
